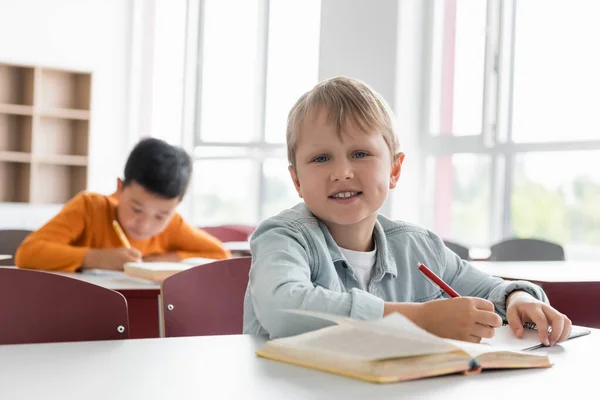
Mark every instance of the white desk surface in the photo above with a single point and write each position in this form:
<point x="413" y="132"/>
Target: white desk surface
<point x="115" y="280"/>
<point x="112" y="280"/>
<point x="544" y="271"/>
<point x="225" y="367"/>
<point x="237" y="246"/>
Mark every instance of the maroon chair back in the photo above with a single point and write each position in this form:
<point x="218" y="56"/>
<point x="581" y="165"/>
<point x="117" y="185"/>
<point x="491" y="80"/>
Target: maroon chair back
<point x="227" y="233"/>
<point x="41" y="307"/>
<point x="247" y="229"/>
<point x="10" y="240"/>
<point x="206" y="300"/>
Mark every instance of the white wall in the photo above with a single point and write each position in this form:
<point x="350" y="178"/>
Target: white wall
<point x="373" y="41"/>
<point x="92" y="35"/>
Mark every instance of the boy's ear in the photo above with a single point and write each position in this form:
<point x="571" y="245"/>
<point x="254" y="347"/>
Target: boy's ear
<point x="120" y="186"/>
<point x="295" y="180"/>
<point x="396" y="168"/>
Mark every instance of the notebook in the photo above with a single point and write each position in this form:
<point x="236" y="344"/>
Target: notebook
<point x="159" y="271"/>
<point x="392" y="349"/>
<point x="530" y="341"/>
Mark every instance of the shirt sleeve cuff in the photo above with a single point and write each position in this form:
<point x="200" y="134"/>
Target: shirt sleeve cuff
<point x="528" y="287"/>
<point x="365" y="306"/>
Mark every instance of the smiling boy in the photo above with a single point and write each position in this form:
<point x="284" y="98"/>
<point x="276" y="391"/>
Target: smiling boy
<point x="81" y="236"/>
<point x="334" y="253"/>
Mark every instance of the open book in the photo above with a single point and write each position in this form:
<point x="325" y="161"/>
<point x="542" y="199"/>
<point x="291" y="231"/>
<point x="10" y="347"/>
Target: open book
<point x="391" y="349"/>
<point x="159" y="271"/>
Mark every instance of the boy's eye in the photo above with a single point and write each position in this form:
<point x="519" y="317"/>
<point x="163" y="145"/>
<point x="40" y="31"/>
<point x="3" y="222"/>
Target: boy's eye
<point x="360" y="154"/>
<point x="159" y="218"/>
<point x="320" y="159"/>
<point x="136" y="211"/>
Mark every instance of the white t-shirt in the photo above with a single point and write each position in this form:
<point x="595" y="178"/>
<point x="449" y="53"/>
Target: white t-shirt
<point x="362" y="262"/>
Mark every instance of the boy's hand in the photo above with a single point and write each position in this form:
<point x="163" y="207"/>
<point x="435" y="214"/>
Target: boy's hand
<point x="110" y="258"/>
<point x="172" y="257"/>
<point x="521" y="307"/>
<point x="463" y="318"/>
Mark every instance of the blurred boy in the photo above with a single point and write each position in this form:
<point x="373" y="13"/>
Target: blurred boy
<point x="81" y="236"/>
<point x="334" y="253"/>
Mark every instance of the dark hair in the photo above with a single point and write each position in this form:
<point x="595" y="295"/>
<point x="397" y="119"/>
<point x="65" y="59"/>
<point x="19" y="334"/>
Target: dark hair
<point x="159" y="167"/>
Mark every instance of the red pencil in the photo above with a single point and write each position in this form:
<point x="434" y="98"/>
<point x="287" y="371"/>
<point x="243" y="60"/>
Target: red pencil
<point x="438" y="281"/>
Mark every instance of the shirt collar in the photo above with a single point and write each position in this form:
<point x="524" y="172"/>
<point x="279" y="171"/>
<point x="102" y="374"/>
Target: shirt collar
<point x="383" y="261"/>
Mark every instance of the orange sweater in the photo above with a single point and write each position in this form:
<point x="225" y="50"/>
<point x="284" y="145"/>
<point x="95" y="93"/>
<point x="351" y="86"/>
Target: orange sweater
<point x="86" y="222"/>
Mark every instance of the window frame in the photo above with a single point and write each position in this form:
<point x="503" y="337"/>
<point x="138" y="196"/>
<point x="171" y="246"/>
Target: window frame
<point x="257" y="150"/>
<point x="495" y="138"/>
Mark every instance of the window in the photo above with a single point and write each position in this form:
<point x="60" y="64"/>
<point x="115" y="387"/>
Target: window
<point x="463" y="182"/>
<point x="457" y="95"/>
<point x="230" y="84"/>
<point x="512" y="123"/>
<point x="555" y="196"/>
<point x="556" y="79"/>
<point x="257" y="57"/>
<point x="167" y="67"/>
<point x="225" y="190"/>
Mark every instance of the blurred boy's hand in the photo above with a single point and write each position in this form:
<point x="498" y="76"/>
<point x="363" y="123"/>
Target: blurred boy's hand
<point x="463" y="318"/>
<point x="110" y="258"/>
<point x="521" y="307"/>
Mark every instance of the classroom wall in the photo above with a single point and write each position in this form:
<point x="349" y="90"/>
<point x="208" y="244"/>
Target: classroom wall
<point x="374" y="41"/>
<point x="91" y="35"/>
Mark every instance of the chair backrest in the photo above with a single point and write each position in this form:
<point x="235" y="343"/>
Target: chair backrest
<point x="206" y="300"/>
<point x="526" y="250"/>
<point x="42" y="307"/>
<point x="247" y="229"/>
<point x="227" y="233"/>
<point x="459" y="249"/>
<point x="10" y="240"/>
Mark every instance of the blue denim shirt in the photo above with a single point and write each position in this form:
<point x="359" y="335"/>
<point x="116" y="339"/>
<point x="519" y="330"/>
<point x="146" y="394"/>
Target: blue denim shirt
<point x="296" y="264"/>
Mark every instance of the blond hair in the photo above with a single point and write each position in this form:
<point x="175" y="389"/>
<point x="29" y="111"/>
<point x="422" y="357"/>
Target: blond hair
<point x="343" y="98"/>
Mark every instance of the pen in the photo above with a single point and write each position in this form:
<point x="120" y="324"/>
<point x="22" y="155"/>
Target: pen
<point x="438" y="281"/>
<point x="121" y="234"/>
<point x="453" y="293"/>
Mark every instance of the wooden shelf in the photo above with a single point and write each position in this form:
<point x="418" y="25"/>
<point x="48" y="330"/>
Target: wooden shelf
<point x="66" y="113"/>
<point x="16" y="133"/>
<point x="16" y="109"/>
<point x="44" y="133"/>
<point x="59" y="137"/>
<point x="15" y="156"/>
<point x="64" y="90"/>
<point x="14" y="182"/>
<point x="16" y="84"/>
<point x="56" y="183"/>
<point x="66" y="160"/>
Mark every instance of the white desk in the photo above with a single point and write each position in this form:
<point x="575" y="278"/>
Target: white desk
<point x="113" y="280"/>
<point x="225" y="367"/>
<point x="543" y="271"/>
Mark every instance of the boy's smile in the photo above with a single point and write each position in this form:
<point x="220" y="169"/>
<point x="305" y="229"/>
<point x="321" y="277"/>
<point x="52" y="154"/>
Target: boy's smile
<point x="345" y="196"/>
<point x="343" y="179"/>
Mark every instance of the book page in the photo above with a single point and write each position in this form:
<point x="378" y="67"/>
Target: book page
<point x="390" y="337"/>
<point x="159" y="266"/>
<point x="474" y="350"/>
<point x="194" y="261"/>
